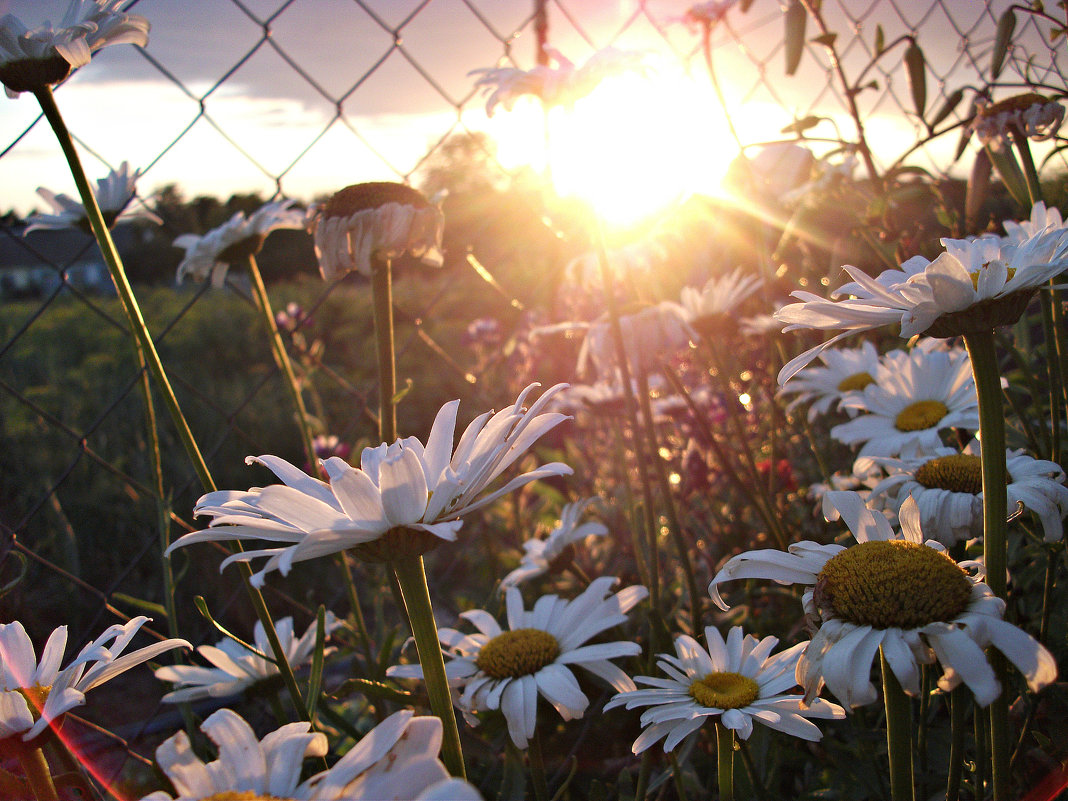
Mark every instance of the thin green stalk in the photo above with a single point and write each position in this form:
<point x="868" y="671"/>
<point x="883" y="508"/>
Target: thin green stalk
<point x="898" y="734"/>
<point x="922" y="727"/>
<point x="644" y="768"/>
<point x="676" y="776"/>
<point x="1034" y="186"/>
<point x="412" y="578"/>
<point x="537" y="768"/>
<point x="725" y="761"/>
<point x="382" y="292"/>
<point x="750" y="768"/>
<point x="357" y="612"/>
<point x="958" y="705"/>
<point x="641" y="559"/>
<point x="281" y="358"/>
<point x="35" y="766"/>
<point x="1047" y="594"/>
<point x="995" y="540"/>
<point x="981" y="756"/>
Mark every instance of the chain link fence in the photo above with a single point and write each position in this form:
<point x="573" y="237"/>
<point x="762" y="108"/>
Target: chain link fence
<point x="79" y="511"/>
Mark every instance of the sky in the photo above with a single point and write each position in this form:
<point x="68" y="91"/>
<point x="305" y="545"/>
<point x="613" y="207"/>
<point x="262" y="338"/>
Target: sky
<point x="266" y="120"/>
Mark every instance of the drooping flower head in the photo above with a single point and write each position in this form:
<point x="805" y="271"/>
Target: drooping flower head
<point x="507" y="670"/>
<point x="396" y="759"/>
<point x="896" y="592"/>
<point x="114" y="194"/>
<point x="555" y="551"/>
<point x="33" y="695"/>
<point x="1030" y="114"/>
<point x="404" y="499"/>
<point x="233" y="241"/>
<point x="236" y="668"/>
<point x="735" y="681"/>
<point x="377" y="220"/>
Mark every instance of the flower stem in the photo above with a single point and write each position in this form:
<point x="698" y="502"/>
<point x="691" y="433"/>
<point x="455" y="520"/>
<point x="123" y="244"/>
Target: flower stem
<point x="750" y="769"/>
<point x="281" y="358"/>
<point x="416" y="594"/>
<point x="537" y="768"/>
<point x="898" y="734"/>
<point x="958" y="704"/>
<point x="995" y="544"/>
<point x="36" y="768"/>
<point x="725" y="761"/>
<point x="382" y="293"/>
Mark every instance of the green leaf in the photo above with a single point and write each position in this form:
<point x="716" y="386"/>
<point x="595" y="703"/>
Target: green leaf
<point x="948" y="107"/>
<point x="140" y="603"/>
<point x="827" y="39"/>
<point x="916" y="68"/>
<point x="401" y="393"/>
<point x="803" y="124"/>
<point x="1004" y="161"/>
<point x="795" y="20"/>
<point x="371" y="689"/>
<point x="1002" y="40"/>
<point x="880" y="40"/>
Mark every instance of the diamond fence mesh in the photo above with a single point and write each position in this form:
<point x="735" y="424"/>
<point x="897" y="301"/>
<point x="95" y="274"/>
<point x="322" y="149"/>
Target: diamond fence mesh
<point x="80" y="510"/>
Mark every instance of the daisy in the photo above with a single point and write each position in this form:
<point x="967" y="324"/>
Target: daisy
<point x="896" y="592"/>
<point x="34" y="694"/>
<point x="34" y="59"/>
<point x="650" y="335"/>
<point x="708" y="310"/>
<point x="555" y="86"/>
<point x="378" y="220"/>
<point x="555" y="551"/>
<point x="846" y="371"/>
<point x="403" y="499"/>
<point x="237" y="668"/>
<point x="947" y="486"/>
<point x="735" y="682"/>
<point x="974" y="285"/>
<point x="1042" y="220"/>
<point x="1033" y="115"/>
<point x="916" y="395"/>
<point x="114" y="194"/>
<point x="507" y="670"/>
<point x="395" y="760"/>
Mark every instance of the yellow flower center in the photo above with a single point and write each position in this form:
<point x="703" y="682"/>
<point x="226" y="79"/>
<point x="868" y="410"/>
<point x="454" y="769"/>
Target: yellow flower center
<point x="512" y="654"/>
<point x="371" y="195"/>
<point x="920" y="415"/>
<point x="35" y="698"/>
<point x="725" y="690"/>
<point x="242" y="249"/>
<point x="893" y="584"/>
<point x="961" y="472"/>
<point x="1010" y="272"/>
<point x="855" y="382"/>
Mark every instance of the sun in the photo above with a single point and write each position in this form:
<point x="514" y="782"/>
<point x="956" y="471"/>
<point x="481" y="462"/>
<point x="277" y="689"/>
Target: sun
<point x="631" y="148"/>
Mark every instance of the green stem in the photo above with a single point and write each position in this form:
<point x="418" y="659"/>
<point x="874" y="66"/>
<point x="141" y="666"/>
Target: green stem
<point x="898" y="734"/>
<point x="750" y="768"/>
<point x="958" y="703"/>
<point x="676" y="776"/>
<point x="382" y="292"/>
<point x="36" y="768"/>
<point x="644" y="768"/>
<point x="725" y="761"/>
<point x="281" y="358"/>
<point x="1034" y="186"/>
<point x="416" y="594"/>
<point x="537" y="768"/>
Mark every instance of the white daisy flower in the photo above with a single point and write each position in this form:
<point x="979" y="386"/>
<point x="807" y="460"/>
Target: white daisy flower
<point x="395" y="760"/>
<point x="735" y="681"/>
<point x="974" y="285"/>
<point x="947" y="486"/>
<point x="555" y="551"/>
<point x="237" y="668"/>
<point x="404" y="499"/>
<point x="507" y="670"/>
<point x="377" y="220"/>
<point x="707" y="310"/>
<point x="846" y="371"/>
<point x="555" y="86"/>
<point x="34" y="694"/>
<point x="1042" y="220"/>
<point x="650" y="335"/>
<point x="233" y="241"/>
<point x="114" y="194"/>
<point x="33" y="59"/>
<point x="916" y="395"/>
<point x="898" y="593"/>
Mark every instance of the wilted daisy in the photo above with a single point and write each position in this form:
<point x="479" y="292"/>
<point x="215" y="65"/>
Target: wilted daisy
<point x="846" y="371"/>
<point x="377" y="220"/>
<point x="507" y="670"/>
<point x="947" y="486"/>
<point x="33" y="59"/>
<point x="236" y="668"/>
<point x="916" y="395"/>
<point x="734" y="681"/>
<point x="398" y="759"/>
<point x="555" y="551"/>
<point x="974" y="285"/>
<point x="555" y="86"/>
<point x="1030" y="114"/>
<point x="34" y="694"/>
<point x="896" y="592"/>
<point x="707" y="310"/>
<point x="403" y="499"/>
<point x="233" y="241"/>
<point x="114" y="194"/>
